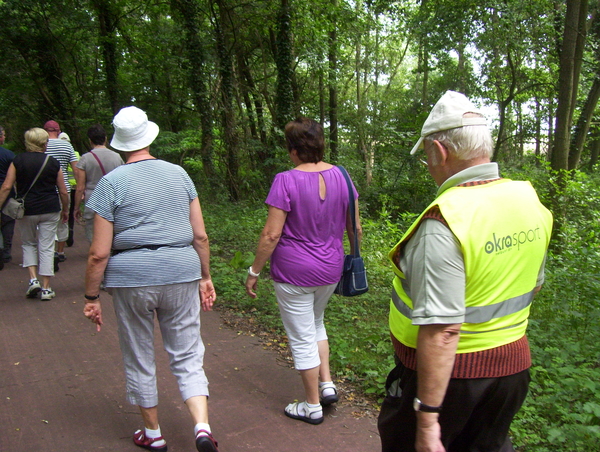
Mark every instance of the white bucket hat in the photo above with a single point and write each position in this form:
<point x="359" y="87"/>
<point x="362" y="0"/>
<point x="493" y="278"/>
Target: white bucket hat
<point x="133" y="131"/>
<point x="448" y="114"/>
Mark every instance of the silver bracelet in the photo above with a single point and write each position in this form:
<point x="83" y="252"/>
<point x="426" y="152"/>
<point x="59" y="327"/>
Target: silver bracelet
<point x="251" y="273"/>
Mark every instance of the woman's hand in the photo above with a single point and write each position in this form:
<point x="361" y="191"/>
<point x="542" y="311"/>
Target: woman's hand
<point x="93" y="311"/>
<point x="79" y="217"/>
<point x="251" y="282"/>
<point x="207" y="294"/>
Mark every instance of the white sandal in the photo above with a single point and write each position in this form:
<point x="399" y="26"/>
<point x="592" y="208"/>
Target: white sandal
<point x="311" y="415"/>
<point x="330" y="397"/>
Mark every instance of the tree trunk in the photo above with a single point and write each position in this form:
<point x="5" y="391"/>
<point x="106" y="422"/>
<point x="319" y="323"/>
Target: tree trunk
<point x="283" y="60"/>
<point x="595" y="152"/>
<point x="107" y="21"/>
<point x="227" y="96"/>
<point x="567" y="83"/>
<point x="504" y="104"/>
<point x="461" y="68"/>
<point x="189" y="12"/>
<point x="520" y="129"/>
<point x="265" y="153"/>
<point x="360" y="107"/>
<point x="550" y="125"/>
<point x="567" y="93"/>
<point x="258" y="106"/>
<point x="245" y="91"/>
<point x="321" y="98"/>
<point x="583" y="124"/>
<point x="333" y="107"/>
<point x="538" y="128"/>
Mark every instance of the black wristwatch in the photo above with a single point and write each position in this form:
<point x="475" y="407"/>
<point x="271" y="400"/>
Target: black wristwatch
<point x="88" y="297"/>
<point x="420" y="406"/>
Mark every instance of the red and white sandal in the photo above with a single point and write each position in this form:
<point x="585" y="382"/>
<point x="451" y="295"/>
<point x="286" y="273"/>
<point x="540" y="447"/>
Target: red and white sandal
<point x="140" y="439"/>
<point x="206" y="442"/>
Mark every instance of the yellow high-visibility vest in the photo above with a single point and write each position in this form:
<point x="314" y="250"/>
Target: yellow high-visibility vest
<point x="503" y="230"/>
<point x="72" y="180"/>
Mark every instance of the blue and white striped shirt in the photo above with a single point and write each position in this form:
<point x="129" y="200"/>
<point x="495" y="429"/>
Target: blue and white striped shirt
<point x="148" y="203"/>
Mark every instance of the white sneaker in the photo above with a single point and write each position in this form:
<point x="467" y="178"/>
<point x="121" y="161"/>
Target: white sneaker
<point x="47" y="294"/>
<point x="33" y="289"/>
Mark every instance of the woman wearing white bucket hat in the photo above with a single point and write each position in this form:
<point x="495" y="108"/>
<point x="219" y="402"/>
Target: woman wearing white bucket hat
<point x="151" y="246"/>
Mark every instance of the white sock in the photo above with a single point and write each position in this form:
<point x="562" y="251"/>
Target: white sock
<point x="201" y="426"/>
<point x="310" y="408"/>
<point x="327" y="391"/>
<point x="154" y="434"/>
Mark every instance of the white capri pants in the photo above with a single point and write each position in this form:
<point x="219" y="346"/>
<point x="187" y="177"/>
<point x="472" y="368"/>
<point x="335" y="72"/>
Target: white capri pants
<point x="177" y="308"/>
<point x="37" y="236"/>
<point x="302" y="310"/>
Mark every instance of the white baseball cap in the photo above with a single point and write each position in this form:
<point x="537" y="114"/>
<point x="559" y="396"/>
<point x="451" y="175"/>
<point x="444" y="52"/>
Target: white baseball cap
<point x="133" y="131"/>
<point x="448" y="113"/>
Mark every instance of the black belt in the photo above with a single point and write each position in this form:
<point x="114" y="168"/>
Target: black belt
<point x="143" y="247"/>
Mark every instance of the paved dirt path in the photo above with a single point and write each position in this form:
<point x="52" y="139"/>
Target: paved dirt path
<point x="62" y="384"/>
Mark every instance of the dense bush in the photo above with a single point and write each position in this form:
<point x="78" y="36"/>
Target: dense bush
<point x="563" y="409"/>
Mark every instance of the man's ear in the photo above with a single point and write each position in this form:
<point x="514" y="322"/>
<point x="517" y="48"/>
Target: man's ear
<point x="441" y="153"/>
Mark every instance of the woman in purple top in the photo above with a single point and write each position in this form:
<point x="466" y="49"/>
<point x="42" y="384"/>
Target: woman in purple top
<point x="303" y="237"/>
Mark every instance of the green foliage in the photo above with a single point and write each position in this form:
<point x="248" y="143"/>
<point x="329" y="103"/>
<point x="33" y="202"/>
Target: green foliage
<point x="358" y="331"/>
<point x="563" y="408"/>
<point x="401" y="184"/>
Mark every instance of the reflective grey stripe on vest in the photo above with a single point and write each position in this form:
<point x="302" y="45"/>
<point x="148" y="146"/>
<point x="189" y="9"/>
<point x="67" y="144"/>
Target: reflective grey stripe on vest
<point x="478" y="314"/>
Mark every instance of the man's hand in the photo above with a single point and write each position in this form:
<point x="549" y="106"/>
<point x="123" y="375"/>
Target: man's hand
<point x="429" y="433"/>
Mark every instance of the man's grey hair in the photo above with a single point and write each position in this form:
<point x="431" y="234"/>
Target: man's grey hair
<point x="467" y="142"/>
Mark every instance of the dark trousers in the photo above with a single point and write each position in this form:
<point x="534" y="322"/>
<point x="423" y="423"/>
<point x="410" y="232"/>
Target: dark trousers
<point x="7" y="229"/>
<point x="71" y="222"/>
<point x="476" y="413"/>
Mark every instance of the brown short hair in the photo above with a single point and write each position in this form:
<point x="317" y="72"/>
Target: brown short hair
<point x="306" y="136"/>
<point x="96" y="134"/>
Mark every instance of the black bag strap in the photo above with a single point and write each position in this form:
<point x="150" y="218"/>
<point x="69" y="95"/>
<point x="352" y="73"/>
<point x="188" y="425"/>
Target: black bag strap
<point x="36" y="177"/>
<point x="352" y="208"/>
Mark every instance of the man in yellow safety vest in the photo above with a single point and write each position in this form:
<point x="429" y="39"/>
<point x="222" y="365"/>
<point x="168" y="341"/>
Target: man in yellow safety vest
<point x="465" y="272"/>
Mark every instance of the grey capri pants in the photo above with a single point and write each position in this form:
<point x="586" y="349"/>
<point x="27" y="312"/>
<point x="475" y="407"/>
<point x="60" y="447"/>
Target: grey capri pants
<point x="177" y="307"/>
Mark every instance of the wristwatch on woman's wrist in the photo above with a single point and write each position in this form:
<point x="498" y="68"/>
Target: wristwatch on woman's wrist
<point x="91" y="298"/>
<point x="251" y="273"/>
